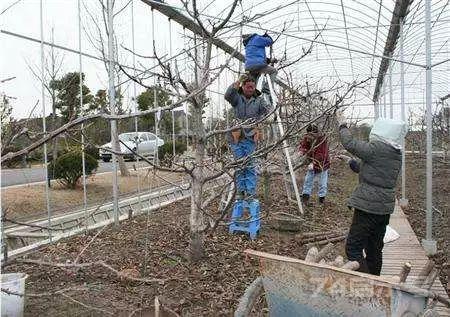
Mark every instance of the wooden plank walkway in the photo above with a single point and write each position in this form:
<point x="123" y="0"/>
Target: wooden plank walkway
<point x="407" y="248"/>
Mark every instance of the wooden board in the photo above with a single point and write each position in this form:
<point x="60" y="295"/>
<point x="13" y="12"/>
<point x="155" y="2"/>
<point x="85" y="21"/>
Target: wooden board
<point x="407" y="248"/>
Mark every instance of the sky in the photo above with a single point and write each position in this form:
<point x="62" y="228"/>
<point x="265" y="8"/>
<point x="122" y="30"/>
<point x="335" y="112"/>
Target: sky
<point x="62" y="16"/>
<point x="301" y="21"/>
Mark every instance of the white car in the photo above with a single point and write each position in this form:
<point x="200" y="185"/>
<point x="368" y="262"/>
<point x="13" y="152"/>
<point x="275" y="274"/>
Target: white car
<point x="144" y="143"/>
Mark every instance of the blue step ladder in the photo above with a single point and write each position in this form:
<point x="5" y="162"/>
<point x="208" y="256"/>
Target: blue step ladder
<point x="251" y="226"/>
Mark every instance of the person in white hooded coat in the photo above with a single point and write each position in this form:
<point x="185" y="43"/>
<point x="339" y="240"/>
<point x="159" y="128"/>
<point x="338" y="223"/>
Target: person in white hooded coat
<point x="373" y="200"/>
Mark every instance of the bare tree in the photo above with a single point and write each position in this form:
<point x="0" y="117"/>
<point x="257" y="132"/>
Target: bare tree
<point x="441" y="127"/>
<point x="52" y="70"/>
<point x="296" y="103"/>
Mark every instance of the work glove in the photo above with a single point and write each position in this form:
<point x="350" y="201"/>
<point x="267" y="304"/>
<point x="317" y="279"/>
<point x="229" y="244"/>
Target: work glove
<point x="340" y="117"/>
<point x="344" y="158"/>
<point x="244" y="77"/>
<point x="258" y="135"/>
<point x="236" y="134"/>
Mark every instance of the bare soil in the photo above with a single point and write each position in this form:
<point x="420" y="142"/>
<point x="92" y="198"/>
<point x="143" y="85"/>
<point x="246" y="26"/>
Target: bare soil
<point x="155" y="245"/>
<point x="29" y="202"/>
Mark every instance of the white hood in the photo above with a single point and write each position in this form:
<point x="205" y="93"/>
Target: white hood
<point x="389" y="131"/>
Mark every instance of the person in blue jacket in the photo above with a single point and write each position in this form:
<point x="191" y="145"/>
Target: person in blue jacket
<point x="248" y="105"/>
<point x="256" y="62"/>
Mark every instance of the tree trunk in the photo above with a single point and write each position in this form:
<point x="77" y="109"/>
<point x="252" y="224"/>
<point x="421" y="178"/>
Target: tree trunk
<point x="55" y="140"/>
<point x="122" y="166"/>
<point x="196" y="220"/>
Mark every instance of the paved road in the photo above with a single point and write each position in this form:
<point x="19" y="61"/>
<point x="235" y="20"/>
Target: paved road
<point x="19" y="176"/>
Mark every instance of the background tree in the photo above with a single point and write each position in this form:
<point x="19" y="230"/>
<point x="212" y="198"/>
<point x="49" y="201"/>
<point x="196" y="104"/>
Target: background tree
<point x="99" y="102"/>
<point x="68" y="95"/>
<point x="146" y="101"/>
<point x="53" y="62"/>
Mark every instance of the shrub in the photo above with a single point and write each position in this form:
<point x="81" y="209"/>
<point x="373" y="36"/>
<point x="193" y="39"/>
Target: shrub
<point x="165" y="151"/>
<point x="92" y="151"/>
<point x="68" y="168"/>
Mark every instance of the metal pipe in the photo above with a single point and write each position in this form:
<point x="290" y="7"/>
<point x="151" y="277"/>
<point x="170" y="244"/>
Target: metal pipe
<point x="173" y="110"/>
<point x="391" y="106"/>
<point x="155" y="97"/>
<point x="112" y="106"/>
<point x="44" y="125"/>
<point x="384" y="100"/>
<point x="285" y="145"/>
<point x="429" y="243"/>
<point x="402" y="106"/>
<point x="136" y="123"/>
<point x="83" y="156"/>
<point x="376" y="110"/>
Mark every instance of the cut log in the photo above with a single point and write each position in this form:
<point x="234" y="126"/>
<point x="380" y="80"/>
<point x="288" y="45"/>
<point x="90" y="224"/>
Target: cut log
<point x="351" y="265"/>
<point x="321" y="237"/>
<point x="312" y="255"/>
<point x="404" y="272"/>
<point x="429" y="280"/>
<point x="332" y="240"/>
<point x="338" y="262"/>
<point x="325" y="251"/>
<point x="426" y="270"/>
<point x="306" y="235"/>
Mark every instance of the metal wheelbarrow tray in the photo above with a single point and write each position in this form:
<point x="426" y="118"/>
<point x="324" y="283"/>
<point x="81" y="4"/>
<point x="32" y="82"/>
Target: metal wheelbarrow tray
<point x="297" y="288"/>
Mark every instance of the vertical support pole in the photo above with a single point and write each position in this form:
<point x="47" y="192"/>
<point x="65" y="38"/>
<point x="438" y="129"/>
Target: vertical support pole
<point x="112" y="107"/>
<point x="173" y="110"/>
<point x="391" y="104"/>
<point x="227" y="120"/>
<point x="428" y="243"/>
<point x="376" y="109"/>
<point x="44" y="126"/>
<point x="83" y="156"/>
<point x="404" y="201"/>
<point x="384" y="100"/>
<point x="185" y="108"/>
<point x="285" y="145"/>
<point x="136" y="123"/>
<point x="155" y="95"/>
<point x="240" y="49"/>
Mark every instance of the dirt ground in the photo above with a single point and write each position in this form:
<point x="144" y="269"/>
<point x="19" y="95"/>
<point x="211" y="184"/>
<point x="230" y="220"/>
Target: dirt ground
<point x="28" y="202"/>
<point x="211" y="287"/>
<point x="415" y="193"/>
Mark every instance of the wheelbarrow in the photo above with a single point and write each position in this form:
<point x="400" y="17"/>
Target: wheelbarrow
<point x="296" y="287"/>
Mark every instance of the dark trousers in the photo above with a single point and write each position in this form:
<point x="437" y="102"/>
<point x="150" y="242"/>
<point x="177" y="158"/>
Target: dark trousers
<point x="367" y="233"/>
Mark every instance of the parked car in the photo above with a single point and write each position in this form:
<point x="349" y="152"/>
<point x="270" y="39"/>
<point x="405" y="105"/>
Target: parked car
<point x="144" y="143"/>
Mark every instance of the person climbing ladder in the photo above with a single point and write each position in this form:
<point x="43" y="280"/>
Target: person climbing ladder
<point x="256" y="62"/>
<point x="247" y="104"/>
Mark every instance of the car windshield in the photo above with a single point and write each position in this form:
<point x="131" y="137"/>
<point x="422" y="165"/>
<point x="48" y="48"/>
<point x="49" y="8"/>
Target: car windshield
<point x="124" y="137"/>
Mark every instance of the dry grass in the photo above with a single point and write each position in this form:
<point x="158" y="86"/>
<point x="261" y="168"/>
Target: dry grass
<point x="28" y="202"/>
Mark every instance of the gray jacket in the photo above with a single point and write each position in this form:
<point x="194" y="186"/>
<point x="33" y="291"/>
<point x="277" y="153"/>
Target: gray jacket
<point x="378" y="172"/>
<point x="253" y="108"/>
